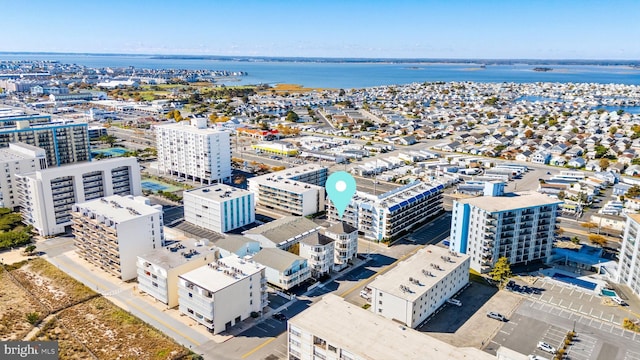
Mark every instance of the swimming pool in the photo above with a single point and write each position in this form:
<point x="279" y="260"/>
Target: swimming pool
<point x="110" y="152"/>
<point x="610" y="293"/>
<point x="575" y="281"/>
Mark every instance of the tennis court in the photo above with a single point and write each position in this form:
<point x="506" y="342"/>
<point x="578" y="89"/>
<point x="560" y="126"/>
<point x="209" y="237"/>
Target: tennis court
<point x="155" y="185"/>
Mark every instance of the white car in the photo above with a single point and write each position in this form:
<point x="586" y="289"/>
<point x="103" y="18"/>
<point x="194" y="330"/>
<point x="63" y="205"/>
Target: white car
<point x="546" y="347"/>
<point x="455" y="302"/>
<point x="618" y="301"/>
<point x="536" y="357"/>
<point x="496" y="316"/>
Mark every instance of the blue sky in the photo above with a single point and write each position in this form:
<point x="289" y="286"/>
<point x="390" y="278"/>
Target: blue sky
<point x="540" y="29"/>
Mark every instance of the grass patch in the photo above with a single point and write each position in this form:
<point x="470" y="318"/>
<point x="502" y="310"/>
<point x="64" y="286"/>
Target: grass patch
<point x="110" y="332"/>
<point x="164" y="87"/>
<point x="53" y="287"/>
<point x="291" y="88"/>
<point x="68" y="346"/>
<point x="15" y="306"/>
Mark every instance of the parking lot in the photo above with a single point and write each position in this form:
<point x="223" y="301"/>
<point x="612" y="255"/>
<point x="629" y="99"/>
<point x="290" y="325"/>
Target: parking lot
<point x="596" y="339"/>
<point x="549" y="314"/>
<point x="468" y="325"/>
<point x="578" y="300"/>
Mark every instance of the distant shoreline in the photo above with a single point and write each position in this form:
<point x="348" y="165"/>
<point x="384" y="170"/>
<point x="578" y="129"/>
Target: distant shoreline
<point x="603" y="62"/>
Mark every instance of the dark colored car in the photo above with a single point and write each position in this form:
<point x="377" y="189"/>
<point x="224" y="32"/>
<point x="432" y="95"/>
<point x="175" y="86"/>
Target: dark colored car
<point x="280" y="316"/>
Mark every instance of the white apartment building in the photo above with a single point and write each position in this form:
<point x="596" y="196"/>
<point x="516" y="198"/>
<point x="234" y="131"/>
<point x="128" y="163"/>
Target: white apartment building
<point x="345" y="239"/>
<point x="223" y="293"/>
<point x="220" y="208"/>
<point x="288" y="196"/>
<point x="158" y="270"/>
<point x="392" y="214"/>
<point x="283" y="269"/>
<point x="310" y="174"/>
<point x="46" y="196"/>
<point x="112" y="231"/>
<point x="296" y="191"/>
<point x="319" y="251"/>
<point x="419" y="285"/>
<point x="64" y="143"/>
<point x="19" y="158"/>
<point x="193" y="151"/>
<point x="518" y="226"/>
<point x="334" y="329"/>
<point x="629" y="259"/>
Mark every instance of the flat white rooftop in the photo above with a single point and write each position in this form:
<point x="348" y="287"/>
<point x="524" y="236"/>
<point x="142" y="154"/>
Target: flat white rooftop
<point x="511" y="201"/>
<point x="371" y="336"/>
<point x="120" y="208"/>
<point x="292" y="186"/>
<point x="218" y="192"/>
<point x="179" y="252"/>
<point x="291" y="173"/>
<point x="419" y="268"/>
<point x="188" y="127"/>
<point x="218" y="275"/>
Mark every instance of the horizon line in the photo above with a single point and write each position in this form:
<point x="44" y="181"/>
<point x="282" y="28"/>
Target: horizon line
<point x="200" y="56"/>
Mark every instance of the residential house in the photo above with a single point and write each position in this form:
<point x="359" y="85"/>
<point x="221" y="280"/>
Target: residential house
<point x="319" y="250"/>
<point x="283" y="269"/>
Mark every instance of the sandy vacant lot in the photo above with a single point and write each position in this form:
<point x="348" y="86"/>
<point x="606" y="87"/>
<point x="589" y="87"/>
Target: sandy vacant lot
<point x="15" y="304"/>
<point x="85" y="324"/>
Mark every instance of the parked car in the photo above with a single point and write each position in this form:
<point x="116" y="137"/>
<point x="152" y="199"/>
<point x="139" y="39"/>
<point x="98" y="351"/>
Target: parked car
<point x="496" y="316"/>
<point x="280" y="316"/>
<point x="546" y="347"/>
<point x="365" y="295"/>
<point x="536" y="357"/>
<point x="455" y="302"/>
<point x="618" y="301"/>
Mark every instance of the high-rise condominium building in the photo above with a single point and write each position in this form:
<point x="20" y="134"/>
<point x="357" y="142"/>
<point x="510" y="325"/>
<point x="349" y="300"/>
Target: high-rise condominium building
<point x="518" y="226"/>
<point x="64" y="142"/>
<point x="19" y="158"/>
<point x="46" y="196"/>
<point x="191" y="150"/>
<point x="112" y="231"/>
<point x="389" y="215"/>
<point x="629" y="263"/>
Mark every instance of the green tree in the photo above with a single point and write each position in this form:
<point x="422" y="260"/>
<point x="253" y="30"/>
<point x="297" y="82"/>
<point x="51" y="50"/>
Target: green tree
<point x="561" y="195"/>
<point x="108" y="139"/>
<point x="292" y="116"/>
<point x="501" y="270"/>
<point x="613" y="130"/>
<point x="604" y="164"/>
<point x="600" y="151"/>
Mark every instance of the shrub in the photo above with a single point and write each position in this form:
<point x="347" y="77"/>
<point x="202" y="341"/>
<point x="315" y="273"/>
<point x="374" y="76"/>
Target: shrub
<point x="33" y="318"/>
<point x="30" y="249"/>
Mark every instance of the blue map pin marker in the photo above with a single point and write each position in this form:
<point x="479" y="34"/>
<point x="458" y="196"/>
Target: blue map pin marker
<point x="341" y="187"/>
